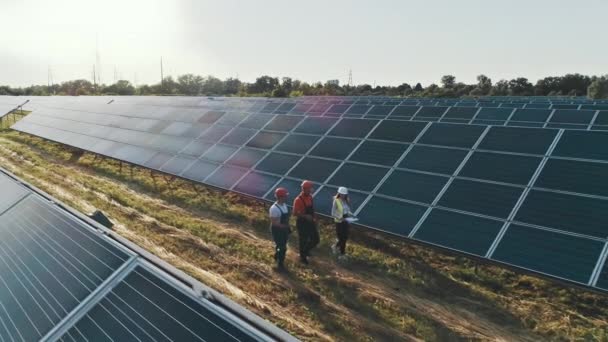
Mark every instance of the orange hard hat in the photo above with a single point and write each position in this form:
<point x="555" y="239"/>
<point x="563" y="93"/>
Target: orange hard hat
<point x="281" y="192"/>
<point x="307" y="184"/>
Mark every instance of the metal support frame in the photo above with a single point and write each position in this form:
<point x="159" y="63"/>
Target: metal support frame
<point x="549" y="118"/>
<point x="599" y="266"/>
<point x="592" y="122"/>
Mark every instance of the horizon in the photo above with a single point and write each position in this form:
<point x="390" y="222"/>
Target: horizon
<point x="386" y="43"/>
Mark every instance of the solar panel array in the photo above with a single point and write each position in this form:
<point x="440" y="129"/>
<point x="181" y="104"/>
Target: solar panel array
<point x="63" y="279"/>
<point x="532" y="198"/>
<point x="9" y="104"/>
<point x="582" y="115"/>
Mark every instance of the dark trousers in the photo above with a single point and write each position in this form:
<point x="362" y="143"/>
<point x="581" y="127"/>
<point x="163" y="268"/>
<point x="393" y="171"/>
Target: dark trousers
<point x="280" y="236"/>
<point x="342" y="233"/>
<point x="308" y="236"/>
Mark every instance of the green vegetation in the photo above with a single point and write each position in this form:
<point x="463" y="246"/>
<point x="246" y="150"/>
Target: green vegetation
<point x="599" y="88"/>
<point x="388" y="291"/>
<point x="191" y="85"/>
<point x="8" y="120"/>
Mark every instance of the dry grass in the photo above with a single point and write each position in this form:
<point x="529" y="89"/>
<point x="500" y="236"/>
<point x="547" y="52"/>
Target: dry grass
<point x="389" y="291"/>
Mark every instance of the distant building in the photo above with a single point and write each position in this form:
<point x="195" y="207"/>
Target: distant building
<point x="334" y="82"/>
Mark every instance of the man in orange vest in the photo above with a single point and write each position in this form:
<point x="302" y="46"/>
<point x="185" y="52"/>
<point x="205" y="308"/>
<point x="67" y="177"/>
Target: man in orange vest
<point x="303" y="209"/>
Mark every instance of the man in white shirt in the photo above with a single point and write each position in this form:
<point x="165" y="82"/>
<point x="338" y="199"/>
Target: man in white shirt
<point x="279" y="226"/>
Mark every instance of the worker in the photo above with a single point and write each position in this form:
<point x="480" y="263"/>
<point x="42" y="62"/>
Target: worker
<point x="279" y="226"/>
<point x="303" y="209"/>
<point x="340" y="211"/>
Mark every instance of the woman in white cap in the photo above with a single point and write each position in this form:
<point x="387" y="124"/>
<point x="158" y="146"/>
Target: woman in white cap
<point x="340" y="211"/>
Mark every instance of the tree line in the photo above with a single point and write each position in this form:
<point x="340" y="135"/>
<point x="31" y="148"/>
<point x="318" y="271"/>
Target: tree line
<point x="595" y="87"/>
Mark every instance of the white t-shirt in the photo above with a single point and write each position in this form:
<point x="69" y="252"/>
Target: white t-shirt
<point x="276" y="210"/>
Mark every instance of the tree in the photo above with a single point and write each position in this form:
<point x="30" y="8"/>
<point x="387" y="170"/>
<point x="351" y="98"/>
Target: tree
<point x="232" y="86"/>
<point x="520" y="87"/>
<point x="431" y="91"/>
<point x="418" y="87"/>
<point x="263" y="84"/>
<point x="501" y="88"/>
<point x="77" y="87"/>
<point x="144" y="89"/>
<point x="287" y="84"/>
<point x="574" y="84"/>
<point x="484" y="86"/>
<point x="122" y="87"/>
<point x="405" y="89"/>
<point x="332" y="89"/>
<point x="448" y="81"/>
<point x="190" y="84"/>
<point x="169" y="86"/>
<point x="212" y="86"/>
<point x="279" y="92"/>
<point x="598" y="89"/>
<point x="547" y="85"/>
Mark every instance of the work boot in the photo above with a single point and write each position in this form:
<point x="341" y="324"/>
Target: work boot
<point x="304" y="260"/>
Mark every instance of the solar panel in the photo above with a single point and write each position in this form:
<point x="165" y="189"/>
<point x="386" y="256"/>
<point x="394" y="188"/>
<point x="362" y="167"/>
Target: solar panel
<point x="553" y="253"/>
<point x="510" y="113"/>
<point x="376" y="152"/>
<point x="498" y="167"/>
<point x="567" y="212"/>
<point x="458" y="231"/>
<point x="413" y="186"/>
<point x="572" y="116"/>
<point x="433" y="159"/>
<point x="461" y="112"/>
<point x="336" y="148"/>
<point x="144" y="307"/>
<point x="357" y="176"/>
<point x="484" y="179"/>
<point x="482" y="198"/>
<point x="402" y="218"/>
<point x="63" y="279"/>
<point x="452" y="135"/>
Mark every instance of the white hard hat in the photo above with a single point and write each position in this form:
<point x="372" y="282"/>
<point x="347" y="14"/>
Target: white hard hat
<point x="343" y="190"/>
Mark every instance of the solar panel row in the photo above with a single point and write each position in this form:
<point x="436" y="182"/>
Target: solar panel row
<point x="546" y="118"/>
<point x="321" y="103"/>
<point x="63" y="279"/>
<point x="498" y="187"/>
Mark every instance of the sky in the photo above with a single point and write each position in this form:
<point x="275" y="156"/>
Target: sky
<point x="384" y="42"/>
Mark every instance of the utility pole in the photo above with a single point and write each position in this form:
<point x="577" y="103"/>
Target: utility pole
<point x="97" y="59"/>
<point x="162" y="78"/>
<point x="50" y="81"/>
<point x="94" y="79"/>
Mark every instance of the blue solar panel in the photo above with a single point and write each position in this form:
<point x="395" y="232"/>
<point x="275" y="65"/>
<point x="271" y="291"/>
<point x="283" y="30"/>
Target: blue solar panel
<point x="433" y="161"/>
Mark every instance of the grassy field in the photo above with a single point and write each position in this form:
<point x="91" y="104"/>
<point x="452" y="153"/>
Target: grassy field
<point x="388" y="291"/>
